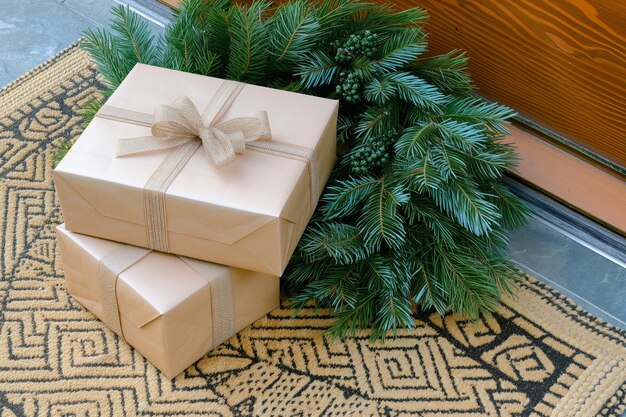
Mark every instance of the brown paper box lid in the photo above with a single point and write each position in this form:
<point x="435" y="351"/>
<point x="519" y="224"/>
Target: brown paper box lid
<point x="237" y="199"/>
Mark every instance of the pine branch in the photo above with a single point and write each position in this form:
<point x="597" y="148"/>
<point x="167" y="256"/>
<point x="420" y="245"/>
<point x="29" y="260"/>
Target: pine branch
<point x="488" y="165"/>
<point x="88" y="112"/>
<point x="463" y="280"/>
<point x="421" y="210"/>
<point x="448" y="72"/>
<point x="514" y="213"/>
<point x="463" y="136"/>
<point x="414" y="143"/>
<point x="448" y="161"/>
<point x="473" y="111"/>
<point x="505" y="151"/>
<point x="343" y="199"/>
<point x="318" y="70"/>
<point x="380" y="220"/>
<point x="352" y="321"/>
<point x="465" y="203"/>
<point x="196" y="41"/>
<point x="334" y="14"/>
<point x="416" y="116"/>
<point x="377" y="121"/>
<point x="249" y="44"/>
<point x="217" y="33"/>
<point x="503" y="272"/>
<point x="398" y="50"/>
<point x="483" y="246"/>
<point x="380" y="91"/>
<point x="345" y="128"/>
<point x="91" y="108"/>
<point x="287" y="85"/>
<point x="341" y="242"/>
<point x="301" y="272"/>
<point x="393" y="311"/>
<point x="294" y="30"/>
<point x="61" y="151"/>
<point x="104" y="50"/>
<point x="380" y="273"/>
<point x="420" y="173"/>
<point x="414" y="90"/>
<point x="134" y="40"/>
<point x="381" y="17"/>
<point x="428" y="291"/>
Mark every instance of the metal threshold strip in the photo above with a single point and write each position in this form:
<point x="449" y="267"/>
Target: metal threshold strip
<point x="572" y="224"/>
<point x="152" y="10"/>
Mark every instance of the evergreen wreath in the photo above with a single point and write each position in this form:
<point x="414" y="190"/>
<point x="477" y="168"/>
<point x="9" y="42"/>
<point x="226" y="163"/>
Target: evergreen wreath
<point x="415" y="215"/>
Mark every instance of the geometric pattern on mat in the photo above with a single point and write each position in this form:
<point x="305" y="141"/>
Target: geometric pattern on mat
<point x="540" y="355"/>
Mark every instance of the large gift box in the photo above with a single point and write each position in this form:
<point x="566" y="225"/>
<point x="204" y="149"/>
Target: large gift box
<point x="171" y="309"/>
<point x="196" y="166"/>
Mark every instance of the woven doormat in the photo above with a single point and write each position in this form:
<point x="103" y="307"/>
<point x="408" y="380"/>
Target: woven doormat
<point x="540" y="355"/>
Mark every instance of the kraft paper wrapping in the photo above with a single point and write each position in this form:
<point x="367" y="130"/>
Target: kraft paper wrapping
<point x="164" y="304"/>
<point x="249" y="214"/>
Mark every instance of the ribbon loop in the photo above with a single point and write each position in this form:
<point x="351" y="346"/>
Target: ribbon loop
<point x="176" y="124"/>
<point x="219" y="149"/>
<point x="132" y="146"/>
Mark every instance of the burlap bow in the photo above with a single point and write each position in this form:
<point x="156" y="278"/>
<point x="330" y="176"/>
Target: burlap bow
<point x="180" y="123"/>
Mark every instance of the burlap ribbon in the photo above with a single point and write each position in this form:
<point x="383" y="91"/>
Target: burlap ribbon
<point x="180" y="127"/>
<point x="218" y="276"/>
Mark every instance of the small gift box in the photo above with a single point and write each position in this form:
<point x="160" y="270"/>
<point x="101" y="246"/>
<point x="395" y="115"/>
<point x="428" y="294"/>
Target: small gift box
<point x="171" y="309"/>
<point x="201" y="167"/>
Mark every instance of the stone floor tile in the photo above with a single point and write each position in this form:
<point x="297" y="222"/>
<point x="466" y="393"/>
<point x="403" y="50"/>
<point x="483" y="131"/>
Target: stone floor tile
<point x="96" y="11"/>
<point x="32" y="31"/>
<point x="566" y="263"/>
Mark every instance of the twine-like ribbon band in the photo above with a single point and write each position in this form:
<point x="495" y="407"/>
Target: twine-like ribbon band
<point x="181" y="128"/>
<point x="218" y="276"/>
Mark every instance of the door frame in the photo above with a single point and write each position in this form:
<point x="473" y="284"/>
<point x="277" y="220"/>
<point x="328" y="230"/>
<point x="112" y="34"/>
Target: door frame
<point x="578" y="183"/>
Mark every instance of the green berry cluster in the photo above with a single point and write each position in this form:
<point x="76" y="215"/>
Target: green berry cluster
<point x="349" y="86"/>
<point x="373" y="155"/>
<point x="358" y="44"/>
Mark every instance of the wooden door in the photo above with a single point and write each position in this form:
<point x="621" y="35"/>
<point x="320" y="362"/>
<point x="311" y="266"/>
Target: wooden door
<point x="559" y="63"/>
